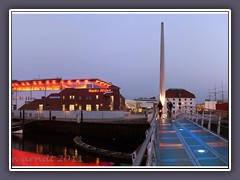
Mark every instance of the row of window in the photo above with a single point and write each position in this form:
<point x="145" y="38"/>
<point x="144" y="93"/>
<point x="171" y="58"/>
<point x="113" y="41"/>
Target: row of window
<point x="181" y="106"/>
<point x="181" y="99"/>
<point x="73" y="107"/>
<point x="181" y="103"/>
<point x="21" y="98"/>
<point x="80" y="97"/>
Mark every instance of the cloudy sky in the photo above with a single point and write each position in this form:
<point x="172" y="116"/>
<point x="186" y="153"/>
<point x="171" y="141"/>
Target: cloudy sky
<point x="124" y="49"/>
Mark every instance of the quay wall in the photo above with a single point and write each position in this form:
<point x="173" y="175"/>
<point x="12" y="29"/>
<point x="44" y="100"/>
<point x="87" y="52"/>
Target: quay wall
<point x="66" y="115"/>
<point x="119" y="131"/>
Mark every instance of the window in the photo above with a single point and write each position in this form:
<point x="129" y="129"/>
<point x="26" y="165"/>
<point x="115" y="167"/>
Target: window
<point x="111" y="107"/>
<point x="97" y="107"/>
<point x="190" y="99"/>
<point x="179" y="99"/>
<point x="190" y="102"/>
<point x="63" y="107"/>
<point x="185" y="99"/>
<point x="173" y="99"/>
<point x="179" y="103"/>
<point x="96" y="96"/>
<point x="88" y="97"/>
<point x="71" y="97"/>
<point x="173" y="102"/>
<point x="40" y="107"/>
<point x="80" y="97"/>
<point x="71" y="107"/>
<point x="111" y="98"/>
<point x="80" y="107"/>
<point x="63" y="97"/>
<point x="88" y="107"/>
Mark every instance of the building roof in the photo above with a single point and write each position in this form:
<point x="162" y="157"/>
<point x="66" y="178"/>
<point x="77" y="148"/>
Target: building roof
<point x="178" y="93"/>
<point x="58" y="84"/>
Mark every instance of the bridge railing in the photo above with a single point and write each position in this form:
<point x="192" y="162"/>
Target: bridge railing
<point x="213" y="120"/>
<point x="148" y="145"/>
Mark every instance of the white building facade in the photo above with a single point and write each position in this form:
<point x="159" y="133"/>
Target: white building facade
<point x="181" y="99"/>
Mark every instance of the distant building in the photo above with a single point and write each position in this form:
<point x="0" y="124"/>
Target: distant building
<point x="140" y="105"/>
<point x="180" y="99"/>
<point x="77" y="94"/>
<point x="209" y="104"/>
<point x="222" y="106"/>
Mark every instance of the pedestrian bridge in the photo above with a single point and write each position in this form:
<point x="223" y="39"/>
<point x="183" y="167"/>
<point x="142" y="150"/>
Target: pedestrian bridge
<point x="184" y="141"/>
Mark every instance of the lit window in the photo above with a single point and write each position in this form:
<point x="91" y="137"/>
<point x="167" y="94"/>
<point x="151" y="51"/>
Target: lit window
<point x="71" y="107"/>
<point x="40" y="107"/>
<point x="63" y="97"/>
<point x="111" y="107"/>
<point x="80" y="107"/>
<point x="73" y="97"/>
<point x="111" y="98"/>
<point x="97" y="107"/>
<point x="96" y="96"/>
<point x="70" y="97"/>
<point x="88" y="107"/>
<point x="63" y="107"/>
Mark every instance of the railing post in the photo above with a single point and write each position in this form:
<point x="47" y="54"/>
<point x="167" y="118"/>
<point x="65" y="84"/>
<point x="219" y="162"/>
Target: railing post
<point x="202" y="118"/>
<point x="197" y="117"/>
<point x="219" y="126"/>
<point x="209" y="121"/>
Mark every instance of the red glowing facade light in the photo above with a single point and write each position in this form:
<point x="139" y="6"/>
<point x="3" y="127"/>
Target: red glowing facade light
<point x="34" y="83"/>
<point x="69" y="81"/>
<point x="86" y="81"/>
<point x="23" y="84"/>
<point x="54" y="82"/>
<point x="40" y="82"/>
<point x="27" y="83"/>
<point x="77" y="81"/>
<point x="47" y="82"/>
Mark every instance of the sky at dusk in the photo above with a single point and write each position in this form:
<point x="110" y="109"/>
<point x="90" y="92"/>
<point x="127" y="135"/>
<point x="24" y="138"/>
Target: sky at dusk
<point x="124" y="49"/>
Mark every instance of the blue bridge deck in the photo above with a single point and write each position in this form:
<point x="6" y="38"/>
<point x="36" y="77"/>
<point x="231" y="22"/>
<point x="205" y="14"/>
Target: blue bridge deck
<point x="184" y="143"/>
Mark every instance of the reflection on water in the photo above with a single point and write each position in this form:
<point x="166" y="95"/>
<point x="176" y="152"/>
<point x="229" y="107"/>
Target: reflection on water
<point x="62" y="146"/>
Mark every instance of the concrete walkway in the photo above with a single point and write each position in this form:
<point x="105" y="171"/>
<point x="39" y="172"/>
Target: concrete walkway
<point x="183" y="143"/>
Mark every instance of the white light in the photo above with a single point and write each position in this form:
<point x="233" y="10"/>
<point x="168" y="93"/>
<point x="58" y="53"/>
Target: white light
<point x="180" y="129"/>
<point x="201" y="151"/>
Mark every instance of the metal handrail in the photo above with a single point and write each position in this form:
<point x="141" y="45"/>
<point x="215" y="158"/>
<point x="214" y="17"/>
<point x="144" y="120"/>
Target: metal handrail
<point x="138" y="159"/>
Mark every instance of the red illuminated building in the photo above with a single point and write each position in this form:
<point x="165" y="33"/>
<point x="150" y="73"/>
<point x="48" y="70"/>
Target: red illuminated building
<point x="74" y="94"/>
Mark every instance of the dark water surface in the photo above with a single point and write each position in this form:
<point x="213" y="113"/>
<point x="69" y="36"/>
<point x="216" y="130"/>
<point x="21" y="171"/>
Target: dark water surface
<point x="62" y="146"/>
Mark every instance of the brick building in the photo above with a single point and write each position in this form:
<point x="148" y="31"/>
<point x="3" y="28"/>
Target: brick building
<point x="84" y="94"/>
